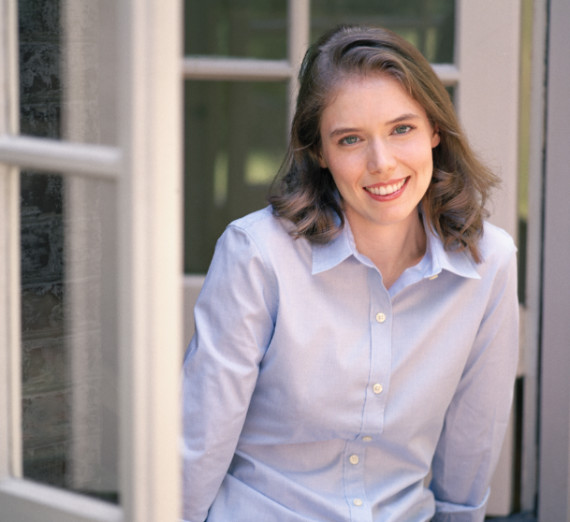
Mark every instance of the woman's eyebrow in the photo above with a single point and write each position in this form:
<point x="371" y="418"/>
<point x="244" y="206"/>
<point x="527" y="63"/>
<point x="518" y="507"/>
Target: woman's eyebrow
<point x="403" y="117"/>
<point x="343" y="130"/>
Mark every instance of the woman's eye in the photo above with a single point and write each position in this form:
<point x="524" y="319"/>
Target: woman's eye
<point x="349" y="140"/>
<point x="402" y="129"/>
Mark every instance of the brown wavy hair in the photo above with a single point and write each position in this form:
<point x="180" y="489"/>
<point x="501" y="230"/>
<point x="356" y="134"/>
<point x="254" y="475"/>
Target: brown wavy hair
<point x="306" y="194"/>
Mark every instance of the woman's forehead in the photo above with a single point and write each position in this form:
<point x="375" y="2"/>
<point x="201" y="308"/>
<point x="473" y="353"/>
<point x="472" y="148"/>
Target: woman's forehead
<point x="349" y="90"/>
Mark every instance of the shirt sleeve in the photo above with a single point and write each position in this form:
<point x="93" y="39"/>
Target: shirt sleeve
<point x="477" y="418"/>
<point x="234" y="318"/>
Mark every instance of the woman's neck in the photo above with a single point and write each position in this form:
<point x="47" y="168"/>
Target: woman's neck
<point x="392" y="248"/>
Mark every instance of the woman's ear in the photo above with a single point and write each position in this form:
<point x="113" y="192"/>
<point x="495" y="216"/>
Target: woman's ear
<point x="436" y="138"/>
<point x="321" y="159"/>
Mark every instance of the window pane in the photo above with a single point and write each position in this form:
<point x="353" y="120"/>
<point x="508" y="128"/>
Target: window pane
<point x="245" y="28"/>
<point x="428" y="24"/>
<point x="68" y="70"/>
<point x="69" y="333"/>
<point x="235" y="143"/>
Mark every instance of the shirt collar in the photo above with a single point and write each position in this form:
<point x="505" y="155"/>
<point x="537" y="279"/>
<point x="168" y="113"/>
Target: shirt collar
<point x="334" y="252"/>
<point x="436" y="258"/>
<point x="439" y="259"/>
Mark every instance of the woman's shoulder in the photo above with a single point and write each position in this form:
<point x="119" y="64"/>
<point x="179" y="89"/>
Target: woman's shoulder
<point x="496" y="244"/>
<point x="262" y="225"/>
<point x="254" y="219"/>
<point x="263" y="235"/>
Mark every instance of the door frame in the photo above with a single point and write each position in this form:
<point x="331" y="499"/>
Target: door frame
<point x="145" y="167"/>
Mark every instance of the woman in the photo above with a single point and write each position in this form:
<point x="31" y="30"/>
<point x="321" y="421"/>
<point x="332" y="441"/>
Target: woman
<point x="360" y="333"/>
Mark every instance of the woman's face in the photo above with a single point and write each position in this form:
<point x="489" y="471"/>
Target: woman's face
<point x="377" y="143"/>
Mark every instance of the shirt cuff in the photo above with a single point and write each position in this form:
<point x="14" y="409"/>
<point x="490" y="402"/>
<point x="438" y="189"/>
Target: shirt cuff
<point x="449" y="512"/>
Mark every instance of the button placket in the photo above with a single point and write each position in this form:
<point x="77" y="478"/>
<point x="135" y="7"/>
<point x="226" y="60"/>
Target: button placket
<point x="353" y="480"/>
<point x="380" y="355"/>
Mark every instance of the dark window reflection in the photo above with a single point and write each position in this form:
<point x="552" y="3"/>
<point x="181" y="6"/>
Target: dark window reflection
<point x="428" y="24"/>
<point x="69" y="379"/>
<point x="244" y="28"/>
<point x="235" y="141"/>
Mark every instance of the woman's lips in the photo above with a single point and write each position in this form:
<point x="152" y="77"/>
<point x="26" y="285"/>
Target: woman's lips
<point x="386" y="190"/>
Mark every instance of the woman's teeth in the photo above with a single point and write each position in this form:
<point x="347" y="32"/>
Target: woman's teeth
<point x="385" y="190"/>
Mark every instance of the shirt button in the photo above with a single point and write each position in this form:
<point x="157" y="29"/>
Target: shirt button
<point x="380" y="317"/>
<point x="357" y="502"/>
<point x="353" y="459"/>
<point x="377" y="388"/>
<point x="367" y="438"/>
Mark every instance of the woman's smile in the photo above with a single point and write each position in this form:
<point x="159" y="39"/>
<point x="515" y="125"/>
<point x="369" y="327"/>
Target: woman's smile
<point x="385" y="191"/>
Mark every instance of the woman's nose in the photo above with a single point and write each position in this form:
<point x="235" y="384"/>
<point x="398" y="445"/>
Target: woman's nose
<point x="380" y="157"/>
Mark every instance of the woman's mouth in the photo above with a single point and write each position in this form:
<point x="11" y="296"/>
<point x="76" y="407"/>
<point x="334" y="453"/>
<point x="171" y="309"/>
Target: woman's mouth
<point x="386" y="190"/>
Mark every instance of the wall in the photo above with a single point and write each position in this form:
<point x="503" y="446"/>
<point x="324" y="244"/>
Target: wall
<point x="554" y="470"/>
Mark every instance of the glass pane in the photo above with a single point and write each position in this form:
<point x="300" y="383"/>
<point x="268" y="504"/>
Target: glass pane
<point x="68" y="68"/>
<point x="235" y="142"/>
<point x="428" y="24"/>
<point x="245" y="28"/>
<point x="69" y="333"/>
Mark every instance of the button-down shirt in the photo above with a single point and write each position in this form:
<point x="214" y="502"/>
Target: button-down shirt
<point x="313" y="393"/>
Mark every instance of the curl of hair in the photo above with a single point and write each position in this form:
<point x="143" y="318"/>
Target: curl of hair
<point x="305" y="193"/>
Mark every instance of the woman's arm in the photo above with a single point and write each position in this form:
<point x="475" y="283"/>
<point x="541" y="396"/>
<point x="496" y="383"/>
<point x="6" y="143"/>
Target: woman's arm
<point x="477" y="418"/>
<point x="234" y="319"/>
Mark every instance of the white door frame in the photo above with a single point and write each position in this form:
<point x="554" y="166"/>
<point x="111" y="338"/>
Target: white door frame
<point x="146" y="168"/>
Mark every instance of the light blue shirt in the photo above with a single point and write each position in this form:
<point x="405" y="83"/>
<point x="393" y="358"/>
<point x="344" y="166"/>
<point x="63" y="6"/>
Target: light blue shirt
<point x="313" y="393"/>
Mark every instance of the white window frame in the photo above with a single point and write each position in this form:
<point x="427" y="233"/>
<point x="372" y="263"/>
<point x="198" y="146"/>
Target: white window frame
<point x="146" y="168"/>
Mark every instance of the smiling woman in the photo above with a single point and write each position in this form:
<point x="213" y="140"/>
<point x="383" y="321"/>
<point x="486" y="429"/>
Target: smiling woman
<point x="318" y="325"/>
